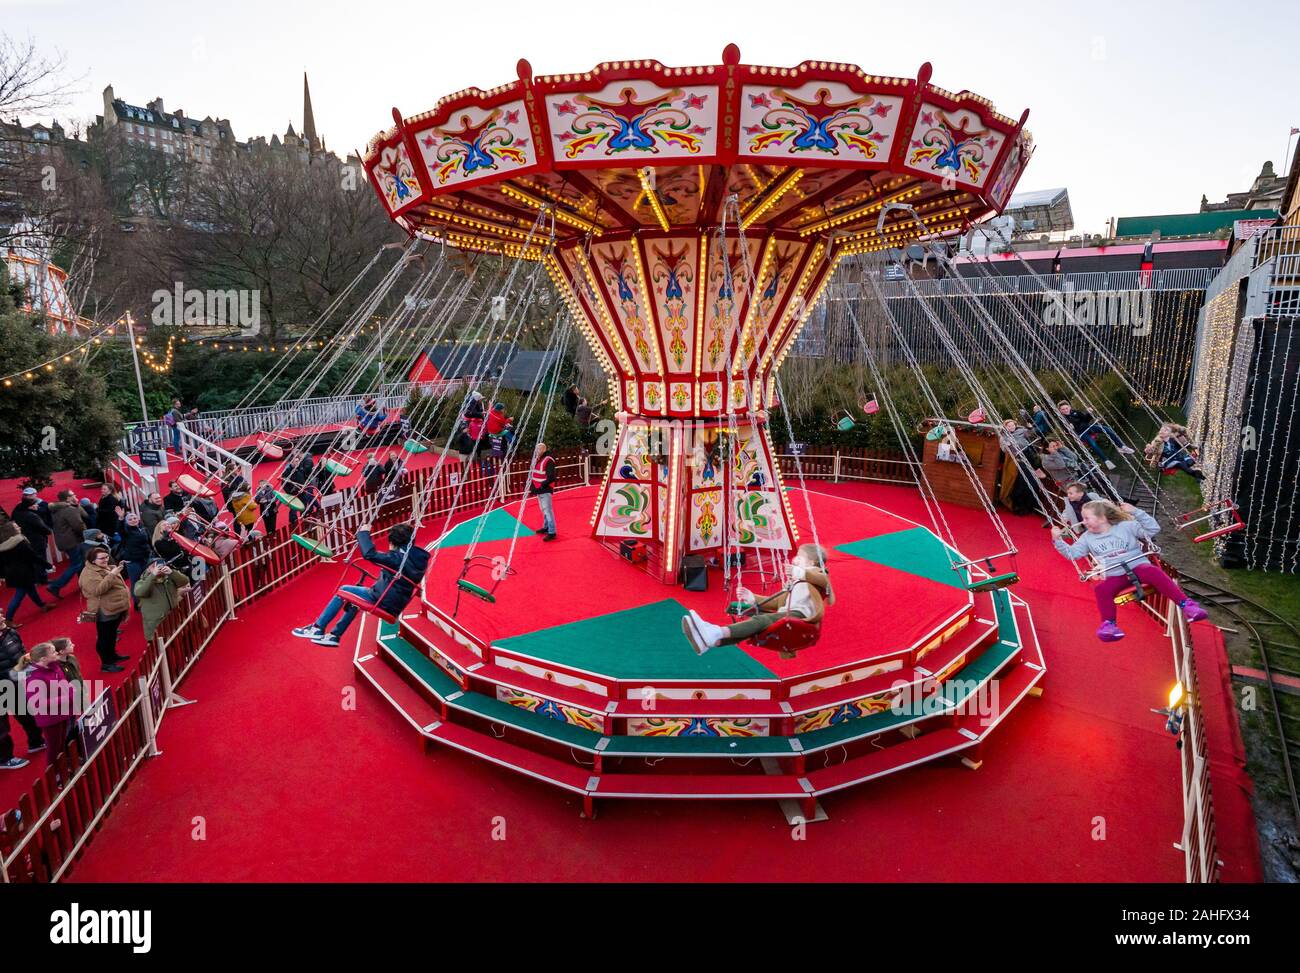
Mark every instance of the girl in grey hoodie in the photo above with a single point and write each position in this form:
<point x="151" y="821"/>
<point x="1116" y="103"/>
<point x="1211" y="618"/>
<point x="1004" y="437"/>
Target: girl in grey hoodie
<point x="1114" y="535"/>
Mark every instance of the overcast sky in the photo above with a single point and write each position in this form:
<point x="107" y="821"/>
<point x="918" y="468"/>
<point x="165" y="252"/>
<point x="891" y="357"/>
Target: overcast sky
<point x="1136" y="107"/>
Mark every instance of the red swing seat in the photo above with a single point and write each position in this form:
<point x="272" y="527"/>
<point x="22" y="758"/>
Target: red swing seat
<point x="193" y="548"/>
<point x="787" y="636"/>
<point x="357" y="601"/>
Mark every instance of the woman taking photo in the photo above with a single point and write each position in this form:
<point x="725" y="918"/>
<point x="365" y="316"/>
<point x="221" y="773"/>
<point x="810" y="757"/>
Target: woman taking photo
<point x="107" y="601"/>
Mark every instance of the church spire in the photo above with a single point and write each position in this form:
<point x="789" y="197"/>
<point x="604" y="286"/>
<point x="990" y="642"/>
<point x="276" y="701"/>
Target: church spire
<point x="308" y="121"/>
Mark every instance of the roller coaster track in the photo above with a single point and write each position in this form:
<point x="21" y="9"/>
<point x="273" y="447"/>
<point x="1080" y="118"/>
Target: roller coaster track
<point x="1273" y="638"/>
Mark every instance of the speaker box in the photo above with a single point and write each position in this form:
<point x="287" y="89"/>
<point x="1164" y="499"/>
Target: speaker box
<point x="632" y="550"/>
<point x="695" y="573"/>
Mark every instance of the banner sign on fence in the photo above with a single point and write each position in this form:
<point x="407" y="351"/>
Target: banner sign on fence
<point x="796" y="449"/>
<point x="94" y="725"/>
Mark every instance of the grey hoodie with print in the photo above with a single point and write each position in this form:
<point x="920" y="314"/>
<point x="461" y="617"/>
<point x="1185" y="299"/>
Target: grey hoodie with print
<point x="1119" y="546"/>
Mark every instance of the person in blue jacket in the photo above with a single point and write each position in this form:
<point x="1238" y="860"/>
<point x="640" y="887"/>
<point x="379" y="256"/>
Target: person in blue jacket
<point x="401" y="568"/>
<point x="370" y="416"/>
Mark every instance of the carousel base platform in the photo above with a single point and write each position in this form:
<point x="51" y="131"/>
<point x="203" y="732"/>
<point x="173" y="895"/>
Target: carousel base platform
<point x="578" y="673"/>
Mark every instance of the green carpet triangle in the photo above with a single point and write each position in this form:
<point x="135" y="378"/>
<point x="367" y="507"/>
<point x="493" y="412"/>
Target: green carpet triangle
<point x="640" y="643"/>
<point x="499" y="526"/>
<point x="916" y="551"/>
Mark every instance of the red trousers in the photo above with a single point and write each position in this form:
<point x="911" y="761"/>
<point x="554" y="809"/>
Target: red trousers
<point x="1147" y="574"/>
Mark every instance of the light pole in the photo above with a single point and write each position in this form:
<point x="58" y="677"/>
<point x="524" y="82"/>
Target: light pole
<point x="135" y="357"/>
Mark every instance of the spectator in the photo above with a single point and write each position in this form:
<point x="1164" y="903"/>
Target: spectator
<point x="158" y="592"/>
<point x="90" y="539"/>
<point x="151" y="512"/>
<point x="23" y="570"/>
<point x="245" y="510"/>
<point x="27" y="515"/>
<point x="135" y="548"/>
<point x="233" y="483"/>
<point x="11" y="666"/>
<point x="108" y="599"/>
<point x="68" y="522"/>
<point x="177" y="498"/>
<point x="172" y="420"/>
<point x="298" y="473"/>
<point x="372" y="474"/>
<point x="108" y="515"/>
<point x="53" y="700"/>
<point x="65" y="651"/>
<point x="474" y="407"/>
<point x="268" y="505"/>
<point x="165" y="545"/>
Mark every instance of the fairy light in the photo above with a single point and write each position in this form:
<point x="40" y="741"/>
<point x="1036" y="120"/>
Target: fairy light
<point x="786" y="183"/>
<point x="701" y="288"/>
<point x="860" y="212"/>
<point x="563" y="215"/>
<point x="646" y="175"/>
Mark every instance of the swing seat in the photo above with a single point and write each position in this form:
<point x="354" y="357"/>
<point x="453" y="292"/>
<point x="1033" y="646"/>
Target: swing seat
<point x="367" y="606"/>
<point x="1138" y="593"/>
<point x="846" y="424"/>
<point x="871" y="407"/>
<point x="977" y="417"/>
<point x="315" y="546"/>
<point x="935" y="434"/>
<point x="787" y="636"/>
<point x="469" y="587"/>
<point x="337" y="468"/>
<point x="411" y="446"/>
<point x="193" y="548"/>
<point x="293" y="503"/>
<point x="191" y="484"/>
<point x="995" y="583"/>
<point x="1211" y="535"/>
<point x="269" y="449"/>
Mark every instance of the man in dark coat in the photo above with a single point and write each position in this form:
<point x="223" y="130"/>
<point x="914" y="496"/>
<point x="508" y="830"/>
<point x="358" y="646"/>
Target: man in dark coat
<point x="176" y="498"/>
<point x="401" y="568"/>
<point x="29" y="520"/>
<point x="298" y="475"/>
<point x="108" y="515"/>
<point x="23" y="570"/>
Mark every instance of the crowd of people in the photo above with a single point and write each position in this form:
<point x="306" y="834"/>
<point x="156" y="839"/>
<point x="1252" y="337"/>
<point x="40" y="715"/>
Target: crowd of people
<point x="49" y="692"/>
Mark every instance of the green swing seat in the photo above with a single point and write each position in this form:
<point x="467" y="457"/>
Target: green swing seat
<point x="469" y="587"/>
<point x="846" y="424"/>
<point x="937" y="433"/>
<point x="293" y="503"/>
<point x="335" y="467"/>
<point x="995" y="583"/>
<point x="316" y="547"/>
<point x="411" y="446"/>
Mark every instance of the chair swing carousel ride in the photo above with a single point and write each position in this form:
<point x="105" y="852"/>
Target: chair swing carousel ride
<point x="690" y="219"/>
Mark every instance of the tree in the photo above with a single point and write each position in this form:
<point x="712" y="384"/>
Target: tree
<point x="60" y="418"/>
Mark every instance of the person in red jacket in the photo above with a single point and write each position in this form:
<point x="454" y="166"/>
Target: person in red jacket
<point x="541" y="484"/>
<point x="52" y="699"/>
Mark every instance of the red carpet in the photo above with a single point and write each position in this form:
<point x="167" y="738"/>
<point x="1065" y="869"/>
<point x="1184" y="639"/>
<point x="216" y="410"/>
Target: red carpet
<point x="288" y="782"/>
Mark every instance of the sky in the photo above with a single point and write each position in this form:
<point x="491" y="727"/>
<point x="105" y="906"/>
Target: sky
<point x="1136" y="107"/>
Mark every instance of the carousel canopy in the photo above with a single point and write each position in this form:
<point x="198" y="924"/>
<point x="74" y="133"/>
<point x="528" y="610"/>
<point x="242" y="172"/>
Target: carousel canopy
<point x="692" y="215"/>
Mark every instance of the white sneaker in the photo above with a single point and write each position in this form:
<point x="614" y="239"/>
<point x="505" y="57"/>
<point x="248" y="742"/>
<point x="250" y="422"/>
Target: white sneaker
<point x="713" y="634"/>
<point x="308" y="632"/>
<point x="327" y="640"/>
<point x="693" y="636"/>
<point x="1126" y="450"/>
<point x="1110" y="465"/>
<point x="14" y="763"/>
